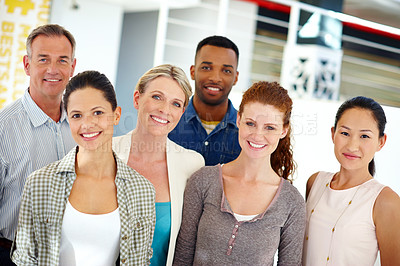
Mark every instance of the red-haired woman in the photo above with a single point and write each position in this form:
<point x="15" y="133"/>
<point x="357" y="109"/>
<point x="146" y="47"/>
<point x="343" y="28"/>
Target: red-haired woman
<point x="244" y="211"/>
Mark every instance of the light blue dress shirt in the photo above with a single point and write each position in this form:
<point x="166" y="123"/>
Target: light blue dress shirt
<point x="29" y="140"/>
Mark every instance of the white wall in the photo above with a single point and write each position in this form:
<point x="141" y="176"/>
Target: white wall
<point x="96" y="27"/>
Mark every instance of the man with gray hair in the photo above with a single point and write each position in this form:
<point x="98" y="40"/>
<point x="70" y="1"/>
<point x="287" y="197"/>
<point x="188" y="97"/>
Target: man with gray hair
<point x="34" y="130"/>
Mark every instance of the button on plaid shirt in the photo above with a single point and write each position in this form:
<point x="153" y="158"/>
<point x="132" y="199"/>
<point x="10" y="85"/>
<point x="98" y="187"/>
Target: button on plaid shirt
<point x="43" y="203"/>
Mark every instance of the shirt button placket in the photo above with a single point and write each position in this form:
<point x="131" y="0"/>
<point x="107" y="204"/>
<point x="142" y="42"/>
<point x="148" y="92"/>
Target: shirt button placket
<point x="231" y="242"/>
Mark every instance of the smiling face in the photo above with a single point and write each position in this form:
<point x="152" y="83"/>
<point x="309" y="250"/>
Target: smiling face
<point x="50" y="67"/>
<point x="92" y="119"/>
<point x="356" y="139"/>
<point x="215" y="73"/>
<point x="260" y="129"/>
<point x="160" y="106"/>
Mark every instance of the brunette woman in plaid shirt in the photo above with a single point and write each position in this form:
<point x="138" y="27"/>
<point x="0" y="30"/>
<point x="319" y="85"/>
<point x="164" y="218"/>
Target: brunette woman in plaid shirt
<point x="88" y="208"/>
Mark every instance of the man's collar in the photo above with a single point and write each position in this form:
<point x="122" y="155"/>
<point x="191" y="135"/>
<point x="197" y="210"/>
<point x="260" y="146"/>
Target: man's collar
<point x="190" y="112"/>
<point x="63" y="113"/>
<point x="35" y="114"/>
<point x="231" y="114"/>
<point x="229" y="118"/>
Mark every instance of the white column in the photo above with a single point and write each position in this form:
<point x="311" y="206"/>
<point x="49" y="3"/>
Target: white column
<point x="161" y="33"/>
<point x="293" y="24"/>
<point x="222" y="17"/>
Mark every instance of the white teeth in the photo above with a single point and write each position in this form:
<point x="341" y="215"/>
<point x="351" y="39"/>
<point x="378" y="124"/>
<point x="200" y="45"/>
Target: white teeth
<point x="159" y="120"/>
<point x="52" y="80"/>
<point x="212" y="89"/>
<point x="256" y="145"/>
<point x="91" y="135"/>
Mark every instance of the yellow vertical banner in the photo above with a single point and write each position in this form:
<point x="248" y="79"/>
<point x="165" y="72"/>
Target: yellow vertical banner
<point x="17" y="19"/>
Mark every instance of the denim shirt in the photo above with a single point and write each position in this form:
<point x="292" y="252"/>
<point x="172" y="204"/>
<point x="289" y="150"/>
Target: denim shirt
<point x="220" y="146"/>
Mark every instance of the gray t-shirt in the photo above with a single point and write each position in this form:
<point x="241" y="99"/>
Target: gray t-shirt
<point x="210" y="234"/>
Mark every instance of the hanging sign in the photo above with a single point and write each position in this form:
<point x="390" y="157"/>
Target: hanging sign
<point x="17" y="19"/>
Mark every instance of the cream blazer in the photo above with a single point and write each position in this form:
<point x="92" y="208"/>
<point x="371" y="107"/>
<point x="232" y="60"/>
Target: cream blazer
<point x="181" y="164"/>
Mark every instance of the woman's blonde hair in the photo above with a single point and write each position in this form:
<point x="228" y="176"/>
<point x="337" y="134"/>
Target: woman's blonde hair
<point x="168" y="71"/>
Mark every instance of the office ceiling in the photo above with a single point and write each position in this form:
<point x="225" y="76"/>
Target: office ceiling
<point x="144" y="5"/>
<point x="386" y="12"/>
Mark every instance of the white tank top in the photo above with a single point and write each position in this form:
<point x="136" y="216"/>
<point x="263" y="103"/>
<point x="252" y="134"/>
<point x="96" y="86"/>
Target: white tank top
<point x="353" y="240"/>
<point x="241" y="218"/>
<point x="88" y="239"/>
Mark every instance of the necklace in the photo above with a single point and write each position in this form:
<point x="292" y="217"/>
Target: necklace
<point x="337" y="220"/>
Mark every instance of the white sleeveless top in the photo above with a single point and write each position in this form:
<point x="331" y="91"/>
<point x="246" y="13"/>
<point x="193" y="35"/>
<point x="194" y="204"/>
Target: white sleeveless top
<point x="88" y="239"/>
<point x="353" y="241"/>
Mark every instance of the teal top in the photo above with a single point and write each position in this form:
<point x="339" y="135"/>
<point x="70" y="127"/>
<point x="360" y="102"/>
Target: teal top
<point x="161" y="234"/>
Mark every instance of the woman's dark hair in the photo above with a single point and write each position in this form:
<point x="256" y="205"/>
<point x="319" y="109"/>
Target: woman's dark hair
<point x="272" y="93"/>
<point x="376" y="109"/>
<point x="91" y="79"/>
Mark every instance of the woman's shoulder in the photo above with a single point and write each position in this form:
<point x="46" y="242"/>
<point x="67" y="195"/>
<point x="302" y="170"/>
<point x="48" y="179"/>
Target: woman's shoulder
<point x="52" y="170"/>
<point x="386" y="217"/>
<point x="124" y="137"/>
<point x="46" y="182"/>
<point x="387" y="201"/>
<point x="183" y="153"/>
<point x="121" y="145"/>
<point x="208" y="171"/>
<point x="206" y="181"/>
<point x="43" y="175"/>
<point x="206" y="175"/>
<point x="317" y="177"/>
<point x="320" y="175"/>
<point x="291" y="193"/>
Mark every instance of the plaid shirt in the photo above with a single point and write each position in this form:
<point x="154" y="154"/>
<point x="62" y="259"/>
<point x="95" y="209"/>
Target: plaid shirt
<point x="43" y="203"/>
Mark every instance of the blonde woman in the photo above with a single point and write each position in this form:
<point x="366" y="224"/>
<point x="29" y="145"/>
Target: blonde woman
<point x="160" y="98"/>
